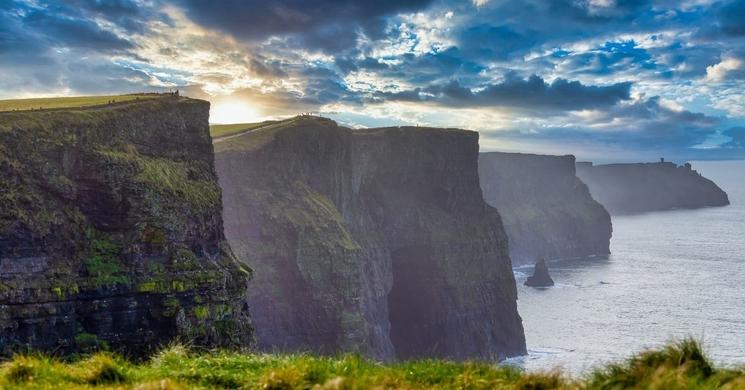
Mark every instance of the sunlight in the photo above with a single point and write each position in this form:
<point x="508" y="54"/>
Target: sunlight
<point x="233" y="111"/>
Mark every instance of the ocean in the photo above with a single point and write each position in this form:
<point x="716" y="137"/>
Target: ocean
<point x="671" y="274"/>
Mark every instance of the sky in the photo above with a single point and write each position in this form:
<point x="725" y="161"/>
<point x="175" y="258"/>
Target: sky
<point x="605" y="80"/>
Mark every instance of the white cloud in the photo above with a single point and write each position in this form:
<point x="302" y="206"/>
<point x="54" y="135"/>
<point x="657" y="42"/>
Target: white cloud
<point x="719" y="71"/>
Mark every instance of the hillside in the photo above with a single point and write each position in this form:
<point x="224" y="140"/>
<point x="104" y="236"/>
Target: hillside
<point x="547" y="211"/>
<point x="375" y="241"/>
<point x="678" y="366"/>
<point x="70" y="102"/>
<point x="111" y="231"/>
<point x="637" y="188"/>
<point x="217" y="131"/>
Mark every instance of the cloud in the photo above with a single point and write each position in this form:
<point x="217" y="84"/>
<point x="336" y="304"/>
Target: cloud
<point x="132" y="16"/>
<point x="325" y="24"/>
<point x="563" y="74"/>
<point x="639" y="128"/>
<point x="737" y="135"/>
<point x="532" y="93"/>
<point x="496" y="42"/>
<point x="26" y="27"/>
<point x="723" y="69"/>
<point x="732" y="18"/>
<point x="49" y="48"/>
<point x="612" y="58"/>
<point x="66" y="31"/>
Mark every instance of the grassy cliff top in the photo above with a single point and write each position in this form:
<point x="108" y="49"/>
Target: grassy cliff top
<point x="678" y="366"/>
<point x="253" y="136"/>
<point x="70" y="102"/>
<point x="218" y="131"/>
<point x="416" y="130"/>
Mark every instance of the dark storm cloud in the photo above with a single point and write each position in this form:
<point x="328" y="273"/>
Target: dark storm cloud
<point x="323" y="86"/>
<point x="267" y="69"/>
<point x="33" y="28"/>
<point x="417" y="69"/>
<point x="347" y="64"/>
<point x="533" y="93"/>
<point x="72" y="32"/>
<point x="732" y="18"/>
<point x="15" y="42"/>
<point x="506" y="29"/>
<point x="599" y="56"/>
<point x="651" y="125"/>
<point x="127" y="14"/>
<point x="497" y="42"/>
<point x="326" y="24"/>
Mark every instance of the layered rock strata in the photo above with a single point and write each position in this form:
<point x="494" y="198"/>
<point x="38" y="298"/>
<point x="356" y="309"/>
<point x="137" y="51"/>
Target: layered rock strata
<point x="111" y="231"/>
<point x="376" y="241"/>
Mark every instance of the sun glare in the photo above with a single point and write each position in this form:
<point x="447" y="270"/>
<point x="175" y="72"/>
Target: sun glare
<point x="233" y="111"/>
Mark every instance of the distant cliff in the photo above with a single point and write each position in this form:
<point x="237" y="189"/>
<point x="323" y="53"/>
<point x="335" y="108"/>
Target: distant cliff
<point x="547" y="211"/>
<point x="636" y="188"/>
<point x="111" y="231"/>
<point x="375" y="241"/>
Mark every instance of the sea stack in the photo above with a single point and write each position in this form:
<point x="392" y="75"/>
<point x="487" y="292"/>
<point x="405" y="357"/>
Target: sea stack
<point x="375" y="241"/>
<point x="541" y="277"/>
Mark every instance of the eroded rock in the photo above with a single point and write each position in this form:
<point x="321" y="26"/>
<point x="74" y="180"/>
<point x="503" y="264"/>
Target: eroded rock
<point x="541" y="276"/>
<point x="546" y="210"/>
<point x="638" y="188"/>
<point x="376" y="241"/>
<point x="111" y="231"/>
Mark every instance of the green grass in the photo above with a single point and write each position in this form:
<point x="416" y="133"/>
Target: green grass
<point x="257" y="139"/>
<point x="68" y="102"/>
<point x="678" y="366"/>
<point x="217" y="131"/>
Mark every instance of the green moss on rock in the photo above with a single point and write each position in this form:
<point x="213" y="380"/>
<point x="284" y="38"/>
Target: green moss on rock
<point x="112" y="214"/>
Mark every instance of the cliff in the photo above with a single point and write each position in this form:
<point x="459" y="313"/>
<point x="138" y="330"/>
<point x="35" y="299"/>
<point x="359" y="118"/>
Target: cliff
<point x="547" y="211"/>
<point x="111" y="231"/>
<point x="376" y="241"/>
<point x="637" y="188"/>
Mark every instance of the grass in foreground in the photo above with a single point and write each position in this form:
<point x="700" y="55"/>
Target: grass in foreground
<point x="679" y="366"/>
<point x="68" y="102"/>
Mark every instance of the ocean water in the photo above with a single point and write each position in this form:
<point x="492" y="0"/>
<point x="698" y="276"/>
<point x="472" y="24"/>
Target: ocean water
<point x="671" y="274"/>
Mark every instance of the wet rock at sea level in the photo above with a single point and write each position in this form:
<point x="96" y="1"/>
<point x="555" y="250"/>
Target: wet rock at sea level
<point x="541" y="277"/>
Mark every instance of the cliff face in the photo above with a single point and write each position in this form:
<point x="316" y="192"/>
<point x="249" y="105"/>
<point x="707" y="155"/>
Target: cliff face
<point x="111" y="231"/>
<point x="637" y="188"/>
<point x="375" y="241"/>
<point x="547" y="211"/>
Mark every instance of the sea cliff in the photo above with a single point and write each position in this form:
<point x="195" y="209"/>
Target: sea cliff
<point x="376" y="241"/>
<point x="547" y="211"/>
<point x="111" y="231"/>
<point x="642" y="187"/>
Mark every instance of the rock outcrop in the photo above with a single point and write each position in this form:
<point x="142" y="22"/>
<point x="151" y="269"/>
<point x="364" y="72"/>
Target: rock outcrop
<point x="376" y="241"/>
<point x="541" y="276"/>
<point x="546" y="210"/>
<point x="111" y="231"/>
<point x="638" y="188"/>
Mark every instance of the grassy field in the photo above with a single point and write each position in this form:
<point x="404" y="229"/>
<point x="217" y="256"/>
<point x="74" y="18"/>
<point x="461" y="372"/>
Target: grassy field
<point x="679" y="366"/>
<point x="217" y="131"/>
<point x="67" y="102"/>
